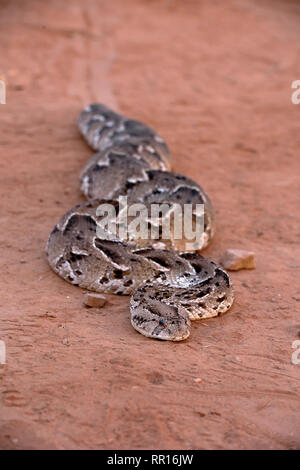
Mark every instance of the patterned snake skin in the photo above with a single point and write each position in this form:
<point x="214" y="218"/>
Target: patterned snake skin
<point x="169" y="286"/>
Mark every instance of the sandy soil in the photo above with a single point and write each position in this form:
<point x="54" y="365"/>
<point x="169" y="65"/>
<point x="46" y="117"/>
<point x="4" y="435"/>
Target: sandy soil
<point x="214" y="78"/>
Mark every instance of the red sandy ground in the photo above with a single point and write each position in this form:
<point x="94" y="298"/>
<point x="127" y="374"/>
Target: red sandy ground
<point x="214" y="78"/>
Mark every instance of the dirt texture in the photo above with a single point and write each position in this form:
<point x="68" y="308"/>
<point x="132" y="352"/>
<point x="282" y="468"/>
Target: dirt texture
<point x="214" y="79"/>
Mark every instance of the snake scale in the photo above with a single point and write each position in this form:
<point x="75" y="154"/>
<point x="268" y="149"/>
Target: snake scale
<point x="169" y="286"/>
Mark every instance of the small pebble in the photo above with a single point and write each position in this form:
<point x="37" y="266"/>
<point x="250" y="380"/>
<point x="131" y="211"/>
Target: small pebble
<point x="234" y="260"/>
<point x="198" y="380"/>
<point x="91" y="299"/>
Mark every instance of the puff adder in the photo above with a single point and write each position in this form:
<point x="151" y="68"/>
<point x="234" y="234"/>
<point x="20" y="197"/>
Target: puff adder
<point x="169" y="287"/>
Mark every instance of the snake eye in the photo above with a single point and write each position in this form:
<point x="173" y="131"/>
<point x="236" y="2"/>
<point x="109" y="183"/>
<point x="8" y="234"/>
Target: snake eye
<point x="161" y="322"/>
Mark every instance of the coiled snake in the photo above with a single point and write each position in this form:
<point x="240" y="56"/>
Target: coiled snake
<point x="169" y="285"/>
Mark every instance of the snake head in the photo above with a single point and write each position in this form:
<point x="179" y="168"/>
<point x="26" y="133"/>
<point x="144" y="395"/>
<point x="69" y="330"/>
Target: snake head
<point x="157" y="319"/>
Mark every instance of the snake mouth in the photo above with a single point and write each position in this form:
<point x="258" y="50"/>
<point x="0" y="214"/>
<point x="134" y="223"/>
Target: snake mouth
<point x="182" y="337"/>
<point x="163" y="333"/>
<point x="163" y="337"/>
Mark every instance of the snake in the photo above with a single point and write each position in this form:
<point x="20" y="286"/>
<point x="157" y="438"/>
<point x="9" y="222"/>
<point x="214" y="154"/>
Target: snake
<point x="169" y="285"/>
